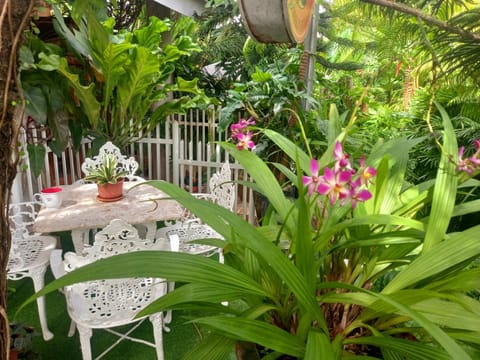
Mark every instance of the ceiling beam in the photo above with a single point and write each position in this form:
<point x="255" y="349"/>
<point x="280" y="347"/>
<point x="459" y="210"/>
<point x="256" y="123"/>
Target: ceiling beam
<point x="185" y="7"/>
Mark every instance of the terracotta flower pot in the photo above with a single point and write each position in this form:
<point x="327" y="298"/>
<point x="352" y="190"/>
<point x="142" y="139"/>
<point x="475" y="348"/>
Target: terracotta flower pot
<point x="110" y="192"/>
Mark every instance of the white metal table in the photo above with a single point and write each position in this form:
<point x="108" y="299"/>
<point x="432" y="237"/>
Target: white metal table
<point x="81" y="211"/>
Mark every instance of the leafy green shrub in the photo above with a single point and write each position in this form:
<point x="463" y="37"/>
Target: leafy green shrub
<point x="104" y="83"/>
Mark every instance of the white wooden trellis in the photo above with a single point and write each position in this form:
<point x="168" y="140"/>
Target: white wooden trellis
<point x="184" y="151"/>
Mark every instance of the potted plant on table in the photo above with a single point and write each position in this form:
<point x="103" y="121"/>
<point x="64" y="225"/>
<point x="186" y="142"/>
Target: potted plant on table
<point x="109" y="179"/>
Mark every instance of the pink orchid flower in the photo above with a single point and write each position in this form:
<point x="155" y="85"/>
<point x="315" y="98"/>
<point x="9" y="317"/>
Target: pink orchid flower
<point x="341" y="159"/>
<point x="334" y="184"/>
<point x="311" y="182"/>
<point x="241" y="127"/>
<point x="464" y="164"/>
<point x="366" y="172"/>
<point x="361" y="196"/>
<point x="245" y="141"/>
<point x="475" y="158"/>
<point x="342" y="183"/>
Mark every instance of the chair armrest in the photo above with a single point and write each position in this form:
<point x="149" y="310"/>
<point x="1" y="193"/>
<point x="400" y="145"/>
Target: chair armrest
<point x="203" y="196"/>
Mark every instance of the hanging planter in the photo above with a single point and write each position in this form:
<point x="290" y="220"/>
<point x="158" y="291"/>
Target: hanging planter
<point x="277" y="21"/>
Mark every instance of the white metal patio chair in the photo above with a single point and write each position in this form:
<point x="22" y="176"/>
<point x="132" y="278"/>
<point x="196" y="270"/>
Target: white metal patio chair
<point x="190" y="228"/>
<point x="29" y="254"/>
<point x="130" y="165"/>
<point x="105" y="304"/>
<point x="221" y="191"/>
<point x="189" y="231"/>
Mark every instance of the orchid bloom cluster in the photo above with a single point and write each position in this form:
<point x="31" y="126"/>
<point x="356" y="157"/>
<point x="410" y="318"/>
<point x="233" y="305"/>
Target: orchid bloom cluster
<point x="341" y="183"/>
<point x="469" y="165"/>
<point x="242" y="135"/>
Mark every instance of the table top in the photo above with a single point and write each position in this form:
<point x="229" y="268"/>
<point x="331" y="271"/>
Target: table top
<point x="80" y="208"/>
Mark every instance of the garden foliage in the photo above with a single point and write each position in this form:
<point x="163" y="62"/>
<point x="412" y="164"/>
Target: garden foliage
<point x="105" y="83"/>
<point x="321" y="279"/>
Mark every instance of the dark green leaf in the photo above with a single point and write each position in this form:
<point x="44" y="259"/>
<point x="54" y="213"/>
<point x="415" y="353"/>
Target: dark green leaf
<point x="36" y="157"/>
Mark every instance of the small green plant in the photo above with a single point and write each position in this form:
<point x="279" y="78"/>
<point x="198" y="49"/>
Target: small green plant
<point x="107" y="172"/>
<point x="21" y="340"/>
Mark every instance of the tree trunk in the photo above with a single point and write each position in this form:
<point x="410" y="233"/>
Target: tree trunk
<point x="14" y="16"/>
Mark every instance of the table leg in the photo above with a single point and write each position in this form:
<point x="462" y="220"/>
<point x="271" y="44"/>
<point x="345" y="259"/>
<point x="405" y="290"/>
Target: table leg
<point x="79" y="239"/>
<point x="151" y="230"/>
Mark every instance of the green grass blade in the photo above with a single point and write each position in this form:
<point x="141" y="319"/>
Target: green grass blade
<point x="469" y="337"/>
<point x="462" y="282"/>
<point x="466" y="208"/>
<point x="193" y="293"/>
<point x="319" y="345"/>
<point x="289" y="148"/>
<point x="460" y="248"/>
<point x="270" y="336"/>
<point x="159" y="264"/>
<point x="407" y="349"/>
<point x="213" y="347"/>
<point x="368" y="220"/>
<point x="445" y="190"/>
<point x="448" y="314"/>
<point x="450" y="346"/>
<point x="391" y="158"/>
<point x="266" y="183"/>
